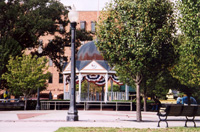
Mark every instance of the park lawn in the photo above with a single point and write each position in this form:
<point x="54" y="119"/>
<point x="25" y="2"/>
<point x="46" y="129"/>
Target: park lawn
<point x="108" y="129"/>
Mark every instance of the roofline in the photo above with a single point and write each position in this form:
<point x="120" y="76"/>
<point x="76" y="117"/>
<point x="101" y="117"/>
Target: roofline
<point x="91" y="72"/>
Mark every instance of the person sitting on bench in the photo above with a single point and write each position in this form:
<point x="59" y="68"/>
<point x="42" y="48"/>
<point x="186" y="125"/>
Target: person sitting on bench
<point x="185" y="100"/>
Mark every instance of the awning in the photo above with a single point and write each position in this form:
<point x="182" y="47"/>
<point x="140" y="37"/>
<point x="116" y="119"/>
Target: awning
<point x="131" y="89"/>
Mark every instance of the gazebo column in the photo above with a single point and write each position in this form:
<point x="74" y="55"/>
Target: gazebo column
<point x="69" y="89"/>
<point x="127" y="92"/>
<point x="65" y="96"/>
<point x="88" y="91"/>
<point x="79" y="90"/>
<point x="111" y="82"/>
<point x="102" y="93"/>
<point x="106" y="93"/>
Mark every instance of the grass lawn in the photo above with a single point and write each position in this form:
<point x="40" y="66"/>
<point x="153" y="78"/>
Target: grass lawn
<point x="106" y="129"/>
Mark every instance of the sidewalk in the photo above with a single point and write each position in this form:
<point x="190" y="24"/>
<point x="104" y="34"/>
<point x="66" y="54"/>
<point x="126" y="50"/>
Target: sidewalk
<point x="51" y="120"/>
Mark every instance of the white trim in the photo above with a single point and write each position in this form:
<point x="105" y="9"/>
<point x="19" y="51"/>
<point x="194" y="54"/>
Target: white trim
<point x="68" y="69"/>
<point x="79" y="90"/>
<point x="94" y="72"/>
<point x="127" y="91"/>
<point x="65" y="97"/>
<point x="106" y="92"/>
<point x="90" y="67"/>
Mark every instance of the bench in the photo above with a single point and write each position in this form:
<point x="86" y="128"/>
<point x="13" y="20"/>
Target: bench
<point x="179" y="110"/>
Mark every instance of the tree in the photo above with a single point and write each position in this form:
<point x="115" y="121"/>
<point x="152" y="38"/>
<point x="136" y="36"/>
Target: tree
<point x="116" y="88"/>
<point x="25" y="74"/>
<point x="137" y="38"/>
<point x="24" y="22"/>
<point x="187" y="69"/>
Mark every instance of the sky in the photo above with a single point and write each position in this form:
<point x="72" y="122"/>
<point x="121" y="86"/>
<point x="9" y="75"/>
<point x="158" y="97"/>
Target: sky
<point x="86" y="5"/>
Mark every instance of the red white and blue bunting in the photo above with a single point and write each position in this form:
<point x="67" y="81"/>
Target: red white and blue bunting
<point x="101" y="82"/>
<point x="93" y="78"/>
<point x="76" y="79"/>
<point x="97" y="79"/>
<point x="68" y="78"/>
<point x="116" y="79"/>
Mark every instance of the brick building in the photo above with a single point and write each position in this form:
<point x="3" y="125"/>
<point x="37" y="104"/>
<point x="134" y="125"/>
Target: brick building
<point x="89" y="11"/>
<point x="87" y="20"/>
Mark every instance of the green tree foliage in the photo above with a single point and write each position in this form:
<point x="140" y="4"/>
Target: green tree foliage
<point x="25" y="74"/>
<point x="116" y="88"/>
<point x="187" y="69"/>
<point x="160" y="85"/>
<point x="92" y="87"/>
<point x="24" y="22"/>
<point x="136" y="37"/>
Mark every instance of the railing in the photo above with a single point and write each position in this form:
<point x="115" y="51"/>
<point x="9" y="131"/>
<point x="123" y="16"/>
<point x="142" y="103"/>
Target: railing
<point x="97" y="96"/>
<point x="116" y="96"/>
<point x="9" y="100"/>
<point x="86" y="105"/>
<point x="91" y="96"/>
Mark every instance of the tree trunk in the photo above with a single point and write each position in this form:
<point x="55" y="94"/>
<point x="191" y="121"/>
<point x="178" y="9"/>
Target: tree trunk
<point x="138" y="103"/>
<point x="145" y="102"/>
<point x="25" y="103"/>
<point x="145" y="97"/>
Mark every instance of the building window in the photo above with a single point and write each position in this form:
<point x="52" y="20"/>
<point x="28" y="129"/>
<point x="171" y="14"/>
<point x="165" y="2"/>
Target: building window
<point x="50" y="41"/>
<point x="40" y="42"/>
<point x="30" y="48"/>
<point x="50" y="62"/>
<point x="83" y="25"/>
<point x="93" y="23"/>
<point x="60" y="78"/>
<point x="51" y="78"/>
<point x="61" y="28"/>
<point x="61" y="61"/>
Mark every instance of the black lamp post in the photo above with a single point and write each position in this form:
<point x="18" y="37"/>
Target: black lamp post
<point x="40" y="50"/>
<point x="73" y="113"/>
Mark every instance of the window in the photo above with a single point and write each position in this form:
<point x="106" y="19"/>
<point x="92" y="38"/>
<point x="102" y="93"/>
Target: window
<point x="30" y="48"/>
<point x="60" y="78"/>
<point x="41" y="42"/>
<point x="61" y="28"/>
<point x="61" y="61"/>
<point x="50" y="62"/>
<point x="50" y="41"/>
<point x="51" y="78"/>
<point x="83" y="25"/>
<point x="93" y="23"/>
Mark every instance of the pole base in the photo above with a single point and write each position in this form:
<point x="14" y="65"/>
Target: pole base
<point x="37" y="108"/>
<point x="72" y="117"/>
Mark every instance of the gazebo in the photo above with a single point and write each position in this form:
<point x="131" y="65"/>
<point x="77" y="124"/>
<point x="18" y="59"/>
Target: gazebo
<point x="91" y="66"/>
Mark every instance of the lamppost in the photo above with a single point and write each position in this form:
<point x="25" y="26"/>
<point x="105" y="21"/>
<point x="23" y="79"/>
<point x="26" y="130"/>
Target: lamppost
<point x="73" y="113"/>
<point x="40" y="50"/>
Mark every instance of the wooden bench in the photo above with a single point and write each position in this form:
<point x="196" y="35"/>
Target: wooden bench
<point x="179" y="110"/>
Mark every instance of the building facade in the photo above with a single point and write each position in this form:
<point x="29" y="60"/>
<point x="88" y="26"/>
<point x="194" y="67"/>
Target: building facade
<point x="87" y="21"/>
<point x="89" y="11"/>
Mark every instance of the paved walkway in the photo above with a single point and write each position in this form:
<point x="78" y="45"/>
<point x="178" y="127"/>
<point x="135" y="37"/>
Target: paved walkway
<point x="51" y="120"/>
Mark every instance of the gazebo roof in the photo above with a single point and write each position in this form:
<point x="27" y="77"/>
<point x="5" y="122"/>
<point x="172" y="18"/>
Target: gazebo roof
<point x="89" y="58"/>
<point x="81" y="64"/>
<point x="89" y="52"/>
